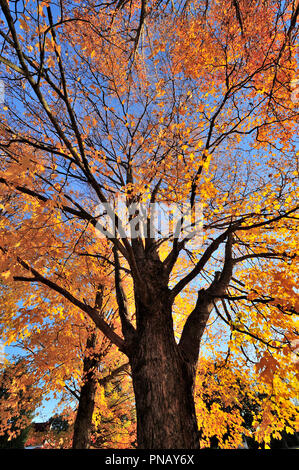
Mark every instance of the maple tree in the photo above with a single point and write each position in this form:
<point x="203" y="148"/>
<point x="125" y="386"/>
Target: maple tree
<point x="18" y="401"/>
<point x="156" y="103"/>
<point x="71" y="361"/>
<point x="104" y="400"/>
<point x="235" y="406"/>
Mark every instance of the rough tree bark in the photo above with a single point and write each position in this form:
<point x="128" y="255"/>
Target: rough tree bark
<point x="83" y="421"/>
<point x="163" y="385"/>
<point x="163" y="371"/>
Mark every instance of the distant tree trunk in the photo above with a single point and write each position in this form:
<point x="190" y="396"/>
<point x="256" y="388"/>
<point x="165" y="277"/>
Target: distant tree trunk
<point x="83" y="422"/>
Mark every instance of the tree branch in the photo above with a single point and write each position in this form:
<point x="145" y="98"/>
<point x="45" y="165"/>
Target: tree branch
<point x="196" y="322"/>
<point x="203" y="260"/>
<point x="91" y="311"/>
<point x="127" y="327"/>
<point x="104" y="380"/>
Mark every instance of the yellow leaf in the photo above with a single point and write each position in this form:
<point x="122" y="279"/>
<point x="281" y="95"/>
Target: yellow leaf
<point x="24" y="25"/>
<point x="6" y="274"/>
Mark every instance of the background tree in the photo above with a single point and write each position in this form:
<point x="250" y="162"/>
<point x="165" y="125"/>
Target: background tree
<point x="70" y="360"/>
<point x="235" y="408"/>
<point x="188" y="105"/>
<point x="114" y="422"/>
<point x="18" y="400"/>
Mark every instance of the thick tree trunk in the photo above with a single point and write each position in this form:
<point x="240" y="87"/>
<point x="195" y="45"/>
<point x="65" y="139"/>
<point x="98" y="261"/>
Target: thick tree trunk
<point x="163" y="384"/>
<point x="83" y="422"/>
<point x="163" y="371"/>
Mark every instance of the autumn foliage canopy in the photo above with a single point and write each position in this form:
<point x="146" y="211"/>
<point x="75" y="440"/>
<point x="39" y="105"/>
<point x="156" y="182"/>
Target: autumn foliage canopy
<point x="160" y="105"/>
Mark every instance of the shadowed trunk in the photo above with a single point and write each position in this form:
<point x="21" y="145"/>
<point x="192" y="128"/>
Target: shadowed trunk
<point x="163" y="371"/>
<point x="83" y="422"/>
<point x="163" y="387"/>
<point x="162" y="377"/>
